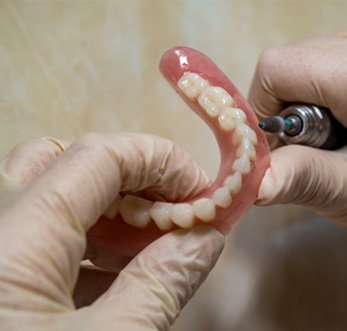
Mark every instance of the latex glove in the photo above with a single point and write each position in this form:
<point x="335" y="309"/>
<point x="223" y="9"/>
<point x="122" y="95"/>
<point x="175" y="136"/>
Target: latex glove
<point x="43" y="228"/>
<point x="311" y="71"/>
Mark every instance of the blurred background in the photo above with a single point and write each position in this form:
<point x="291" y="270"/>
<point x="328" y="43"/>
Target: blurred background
<point x="71" y="67"/>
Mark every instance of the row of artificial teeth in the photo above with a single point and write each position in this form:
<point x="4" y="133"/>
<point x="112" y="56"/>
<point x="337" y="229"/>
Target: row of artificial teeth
<point x="140" y="212"/>
<point x="217" y="103"/>
<point x="215" y="100"/>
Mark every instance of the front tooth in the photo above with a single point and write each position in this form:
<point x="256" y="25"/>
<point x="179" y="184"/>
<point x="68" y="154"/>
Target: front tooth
<point x="135" y="211"/>
<point x="242" y="165"/>
<point x="182" y="215"/>
<point x="192" y="85"/>
<point x="213" y="99"/>
<point x="160" y="213"/>
<point x="234" y="183"/>
<point x="112" y="211"/>
<point x="204" y="209"/>
<point x="246" y="147"/>
<point x="221" y="197"/>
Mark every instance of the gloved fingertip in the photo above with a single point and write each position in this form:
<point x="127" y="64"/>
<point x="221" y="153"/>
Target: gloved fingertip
<point x="202" y="238"/>
<point x="162" y="278"/>
<point x="277" y="183"/>
<point x="197" y="252"/>
<point x="207" y="236"/>
<point x="201" y="230"/>
<point x="8" y="187"/>
<point x="266" y="190"/>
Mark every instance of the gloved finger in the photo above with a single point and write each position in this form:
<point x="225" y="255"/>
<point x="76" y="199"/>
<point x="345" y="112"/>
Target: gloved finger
<point x="70" y="196"/>
<point x="25" y="162"/>
<point x="262" y="95"/>
<point x="149" y="285"/>
<point x="304" y="71"/>
<point x="28" y="160"/>
<point x="307" y="176"/>
<point x="18" y="168"/>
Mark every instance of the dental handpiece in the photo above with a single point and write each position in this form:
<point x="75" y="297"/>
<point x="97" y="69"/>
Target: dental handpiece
<point x="307" y="125"/>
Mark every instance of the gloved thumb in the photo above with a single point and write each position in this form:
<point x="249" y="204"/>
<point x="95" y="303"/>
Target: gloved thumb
<point x="307" y="176"/>
<point x="150" y="292"/>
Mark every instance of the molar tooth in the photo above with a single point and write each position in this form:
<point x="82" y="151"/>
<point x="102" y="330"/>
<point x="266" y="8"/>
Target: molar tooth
<point x="244" y="131"/>
<point x="242" y="165"/>
<point x="182" y="215"/>
<point x="229" y="118"/>
<point x="240" y="115"/>
<point x="135" y="211"/>
<point x="234" y="183"/>
<point x="112" y="211"/>
<point x="204" y="209"/>
<point x="192" y="84"/>
<point x="246" y="147"/>
<point x="160" y="213"/>
<point x="213" y="99"/>
<point x="221" y="197"/>
<point x="226" y="121"/>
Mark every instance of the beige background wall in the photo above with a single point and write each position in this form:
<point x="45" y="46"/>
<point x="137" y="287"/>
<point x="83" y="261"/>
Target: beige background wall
<point x="70" y="67"/>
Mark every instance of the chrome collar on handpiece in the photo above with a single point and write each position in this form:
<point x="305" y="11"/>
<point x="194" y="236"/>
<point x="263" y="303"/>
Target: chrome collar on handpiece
<point x="307" y="125"/>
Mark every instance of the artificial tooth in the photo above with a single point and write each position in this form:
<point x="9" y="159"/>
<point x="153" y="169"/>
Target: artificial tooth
<point x="135" y="211"/>
<point x="240" y="115"/>
<point x="222" y="197"/>
<point x="213" y="99"/>
<point x="182" y="215"/>
<point x="192" y="85"/>
<point x="246" y="147"/>
<point x="234" y="183"/>
<point x="242" y="165"/>
<point x="160" y="213"/>
<point x="204" y="209"/>
<point x="226" y="120"/>
<point x="229" y="118"/>
<point x="244" y="131"/>
<point x="112" y="211"/>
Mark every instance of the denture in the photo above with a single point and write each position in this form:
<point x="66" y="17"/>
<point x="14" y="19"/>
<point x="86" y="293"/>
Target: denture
<point x="244" y="158"/>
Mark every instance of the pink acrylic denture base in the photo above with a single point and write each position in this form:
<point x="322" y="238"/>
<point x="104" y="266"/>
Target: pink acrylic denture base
<point x="120" y="238"/>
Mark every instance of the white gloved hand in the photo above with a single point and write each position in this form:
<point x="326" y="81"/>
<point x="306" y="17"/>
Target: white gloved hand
<point x="50" y="198"/>
<point x="311" y="71"/>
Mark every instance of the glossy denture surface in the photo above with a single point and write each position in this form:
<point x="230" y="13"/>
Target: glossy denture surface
<point x="244" y="159"/>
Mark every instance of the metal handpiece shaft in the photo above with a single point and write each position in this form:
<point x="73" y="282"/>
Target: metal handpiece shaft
<point x="307" y="125"/>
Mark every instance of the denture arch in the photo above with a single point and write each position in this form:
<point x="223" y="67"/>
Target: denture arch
<point x="220" y="106"/>
<point x="234" y="190"/>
